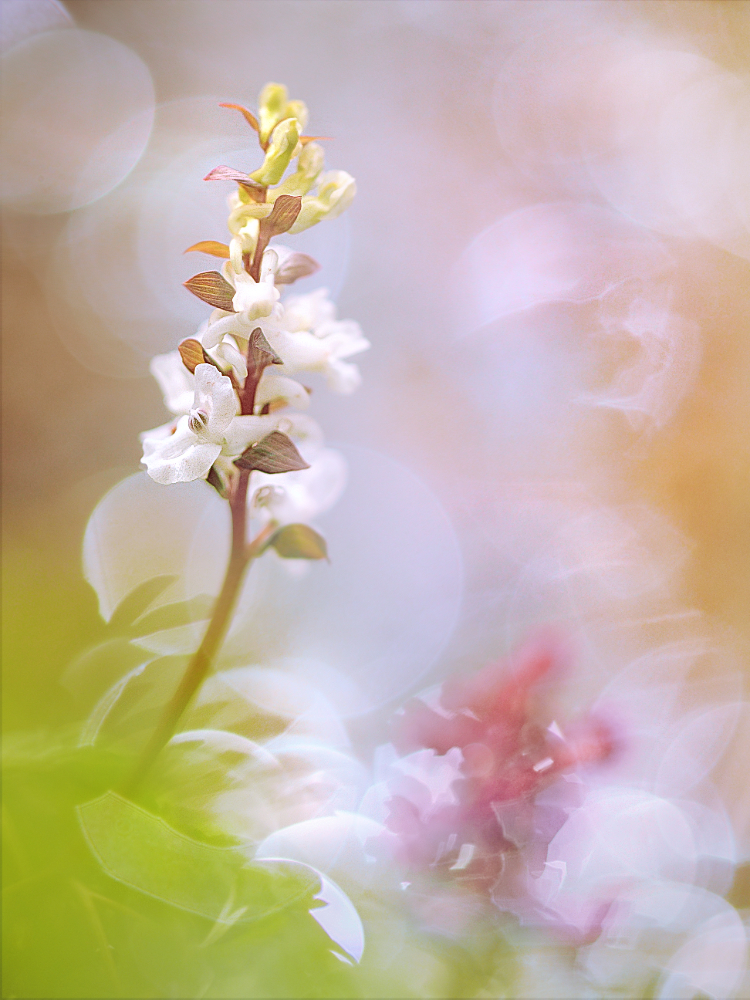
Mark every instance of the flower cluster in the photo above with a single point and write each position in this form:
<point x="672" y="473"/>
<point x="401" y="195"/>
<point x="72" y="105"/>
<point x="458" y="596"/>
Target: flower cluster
<point x="465" y="803"/>
<point x="234" y="388"/>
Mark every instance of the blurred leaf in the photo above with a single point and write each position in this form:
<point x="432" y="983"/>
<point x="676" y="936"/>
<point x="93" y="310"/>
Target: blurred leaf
<point x="274" y="453"/>
<point x="99" y="667"/>
<point x="141" y="850"/>
<point x="299" y="541"/>
<point x="138" y="601"/>
<point x="739" y="892"/>
<point x="127" y="714"/>
<point x="212" y="247"/>
<point x="212" y="288"/>
<point x="195" y="609"/>
<point x="296" y="265"/>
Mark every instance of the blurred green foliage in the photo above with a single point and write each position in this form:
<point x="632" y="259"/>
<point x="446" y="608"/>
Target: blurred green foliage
<point x="104" y="898"/>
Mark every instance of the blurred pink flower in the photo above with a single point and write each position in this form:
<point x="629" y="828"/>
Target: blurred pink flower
<point x="465" y="803"/>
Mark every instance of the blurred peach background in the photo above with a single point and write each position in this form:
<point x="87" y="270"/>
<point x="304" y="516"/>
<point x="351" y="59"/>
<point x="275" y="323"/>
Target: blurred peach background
<point x="549" y="251"/>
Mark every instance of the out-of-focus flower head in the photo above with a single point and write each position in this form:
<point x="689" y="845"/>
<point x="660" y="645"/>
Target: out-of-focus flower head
<point x="462" y="802"/>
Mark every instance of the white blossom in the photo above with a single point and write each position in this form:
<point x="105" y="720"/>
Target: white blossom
<point x="292" y="497"/>
<point x="310" y="338"/>
<point x="175" y="381"/>
<point x="253" y="299"/>
<point x="182" y="452"/>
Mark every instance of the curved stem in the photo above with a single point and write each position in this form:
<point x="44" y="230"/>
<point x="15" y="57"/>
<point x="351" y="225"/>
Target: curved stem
<point x="241" y="555"/>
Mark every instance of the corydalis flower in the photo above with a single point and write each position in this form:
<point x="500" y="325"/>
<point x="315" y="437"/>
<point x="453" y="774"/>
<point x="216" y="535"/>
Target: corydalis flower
<point x="253" y="299"/>
<point x="310" y="338"/>
<point x="303" y="495"/>
<point x="304" y="333"/>
<point x="182" y="452"/>
<point x="463" y="803"/>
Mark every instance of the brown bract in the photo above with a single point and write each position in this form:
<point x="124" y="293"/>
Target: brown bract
<point x="274" y="453"/>
<point x="211" y="287"/>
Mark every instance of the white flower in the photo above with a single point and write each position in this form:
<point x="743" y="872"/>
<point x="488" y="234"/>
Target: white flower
<point x="310" y="338"/>
<point x="279" y="390"/>
<point x="182" y="452"/>
<point x="175" y="381"/>
<point x="229" y="355"/>
<point x="292" y="497"/>
<point x="304" y="332"/>
<point x="254" y="299"/>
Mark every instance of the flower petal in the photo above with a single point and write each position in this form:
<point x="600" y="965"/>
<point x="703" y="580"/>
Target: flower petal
<point x="214" y="394"/>
<point x="180" y="457"/>
<point x="175" y="381"/>
<point x="274" y="386"/>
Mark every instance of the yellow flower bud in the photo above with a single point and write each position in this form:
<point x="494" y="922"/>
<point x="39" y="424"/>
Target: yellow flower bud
<point x="271" y="105"/>
<point x="309" y="165"/>
<point x="298" y="110"/>
<point x="275" y="106"/>
<point x="242" y="215"/>
<point x="284" y="139"/>
<point x="335" y="193"/>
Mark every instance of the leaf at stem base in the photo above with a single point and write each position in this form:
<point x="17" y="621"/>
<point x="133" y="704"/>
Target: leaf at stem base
<point x="299" y="541"/>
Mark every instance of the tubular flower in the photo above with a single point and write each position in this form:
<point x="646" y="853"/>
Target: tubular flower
<point x="235" y="382"/>
<point x="303" y="495"/>
<point x="182" y="452"/>
<point x="306" y="335"/>
<point x="466" y="803"/>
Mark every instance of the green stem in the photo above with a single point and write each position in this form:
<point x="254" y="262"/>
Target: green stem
<point x="241" y="555"/>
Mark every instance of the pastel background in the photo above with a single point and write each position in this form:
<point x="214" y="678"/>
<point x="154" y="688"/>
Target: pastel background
<point x="550" y="254"/>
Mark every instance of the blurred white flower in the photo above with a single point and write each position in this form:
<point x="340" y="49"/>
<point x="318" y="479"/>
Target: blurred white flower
<point x="308" y="337"/>
<point x="294" y="497"/>
<point x="254" y="299"/>
<point x="175" y="381"/>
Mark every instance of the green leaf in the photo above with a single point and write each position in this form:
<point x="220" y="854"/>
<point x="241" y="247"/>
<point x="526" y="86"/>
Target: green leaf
<point x="139" y="849"/>
<point x="194" y="609"/>
<point x="299" y="541"/>
<point x="137" y="602"/>
<point x="212" y="288"/>
<point x="124" y="718"/>
<point x="275" y="453"/>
